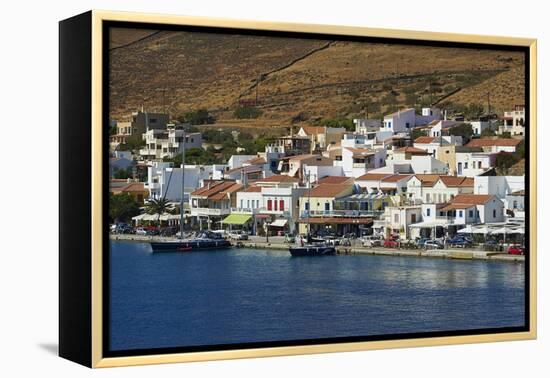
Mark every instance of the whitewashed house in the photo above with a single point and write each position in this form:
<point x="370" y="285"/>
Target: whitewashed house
<point x="471" y="164"/>
<point x="432" y="144"/>
<point x="167" y="143"/>
<point x="358" y="161"/>
<point x="473" y="209"/>
<point x="437" y="188"/>
<point x="441" y="127"/>
<point x="514" y="121"/>
<point x="495" y="144"/>
<point x="400" y="121"/>
<point x="366" y="125"/>
<point x="165" y="181"/>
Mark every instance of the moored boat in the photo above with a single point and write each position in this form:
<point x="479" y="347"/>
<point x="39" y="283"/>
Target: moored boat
<point x="203" y="240"/>
<point x="312" y="250"/>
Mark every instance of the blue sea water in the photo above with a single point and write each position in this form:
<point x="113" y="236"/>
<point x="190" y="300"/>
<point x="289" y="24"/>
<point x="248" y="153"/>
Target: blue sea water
<point x="247" y="295"/>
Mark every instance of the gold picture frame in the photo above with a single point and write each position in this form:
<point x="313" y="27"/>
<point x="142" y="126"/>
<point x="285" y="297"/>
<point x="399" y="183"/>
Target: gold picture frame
<point x="94" y="22"/>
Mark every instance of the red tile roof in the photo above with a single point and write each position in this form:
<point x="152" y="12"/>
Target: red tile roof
<point x="218" y="190"/>
<point x="253" y="189"/>
<point x="424" y="139"/>
<point x="314" y="130"/>
<point x="395" y="178"/>
<point x="412" y="150"/>
<point x="457" y="181"/>
<point x="373" y="176"/>
<point x="279" y="178"/>
<point x="327" y="190"/>
<point x="488" y="142"/>
<point x="335" y="180"/>
<point x="472" y="199"/>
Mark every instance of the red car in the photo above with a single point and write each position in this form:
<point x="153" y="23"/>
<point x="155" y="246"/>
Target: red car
<point x="516" y="249"/>
<point x="391" y="243"/>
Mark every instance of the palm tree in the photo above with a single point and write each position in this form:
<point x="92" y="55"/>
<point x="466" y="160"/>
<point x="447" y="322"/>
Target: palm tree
<point x="157" y="206"/>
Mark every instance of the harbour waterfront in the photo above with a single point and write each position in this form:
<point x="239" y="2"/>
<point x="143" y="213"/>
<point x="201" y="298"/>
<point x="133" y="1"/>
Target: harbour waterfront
<point x="254" y="295"/>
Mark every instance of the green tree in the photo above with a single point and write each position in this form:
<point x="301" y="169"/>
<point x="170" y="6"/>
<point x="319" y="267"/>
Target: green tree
<point x="157" y="206"/>
<point x="197" y="117"/>
<point x="464" y="130"/>
<point x="247" y="112"/>
<point x="122" y="207"/>
<point x="473" y="111"/>
<point x="133" y="143"/>
<point x="487" y="133"/>
<point x="417" y="133"/>
<point x="505" y="160"/>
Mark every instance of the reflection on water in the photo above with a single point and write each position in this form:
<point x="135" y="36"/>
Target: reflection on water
<point x="242" y="295"/>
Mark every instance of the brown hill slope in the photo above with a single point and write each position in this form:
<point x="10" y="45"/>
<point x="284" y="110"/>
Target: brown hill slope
<point x="181" y="71"/>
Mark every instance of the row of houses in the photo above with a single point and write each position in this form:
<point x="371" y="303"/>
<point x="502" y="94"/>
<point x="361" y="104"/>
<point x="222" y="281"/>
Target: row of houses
<point x="377" y="179"/>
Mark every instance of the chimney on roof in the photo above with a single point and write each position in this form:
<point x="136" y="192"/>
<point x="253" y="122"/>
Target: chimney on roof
<point x="445" y="115"/>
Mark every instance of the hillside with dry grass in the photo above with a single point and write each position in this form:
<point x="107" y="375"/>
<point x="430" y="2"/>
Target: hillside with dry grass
<point x="299" y="80"/>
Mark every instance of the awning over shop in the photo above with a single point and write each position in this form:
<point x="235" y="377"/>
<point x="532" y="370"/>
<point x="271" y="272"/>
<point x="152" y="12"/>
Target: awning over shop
<point x="238" y="219"/>
<point x="155" y="217"/>
<point x="429" y="224"/>
<point x="278" y="223"/>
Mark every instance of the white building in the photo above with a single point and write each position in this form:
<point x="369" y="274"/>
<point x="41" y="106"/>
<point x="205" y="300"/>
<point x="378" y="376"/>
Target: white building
<point x="160" y="143"/>
<point x="441" y="127"/>
<point x="514" y="121"/>
<point x="358" y="161"/>
<point x="236" y="161"/>
<point x="274" y="200"/>
<point x="471" y="164"/>
<point x="165" y="181"/>
<point x="428" y="115"/>
<point x="432" y="144"/>
<point x="479" y="126"/>
<point x="366" y="125"/>
<point x="412" y="160"/>
<point x="473" y="209"/>
<point x="400" y="121"/>
<point x="437" y="188"/>
<point x="495" y="144"/>
<point x="316" y="172"/>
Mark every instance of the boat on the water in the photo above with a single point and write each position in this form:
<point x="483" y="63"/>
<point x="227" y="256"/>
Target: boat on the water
<point x="312" y="250"/>
<point x="202" y="240"/>
<point x="310" y="246"/>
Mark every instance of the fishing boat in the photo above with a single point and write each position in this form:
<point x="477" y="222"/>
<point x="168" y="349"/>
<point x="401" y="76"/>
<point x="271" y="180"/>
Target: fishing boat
<point x="203" y="239"/>
<point x="310" y="246"/>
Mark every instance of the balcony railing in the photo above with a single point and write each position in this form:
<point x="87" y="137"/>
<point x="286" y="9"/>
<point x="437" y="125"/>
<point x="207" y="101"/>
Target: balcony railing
<point x="244" y="210"/>
<point x="209" y="211"/>
<point x="342" y="213"/>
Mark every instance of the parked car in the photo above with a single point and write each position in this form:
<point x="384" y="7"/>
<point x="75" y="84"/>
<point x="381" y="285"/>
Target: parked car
<point x="141" y="231"/>
<point x="238" y="235"/>
<point x="433" y="244"/>
<point x="516" y="249"/>
<point x="459" y="241"/>
<point x="391" y="243"/>
<point x="371" y="241"/>
<point x="420" y="242"/>
<point x="491" y="245"/>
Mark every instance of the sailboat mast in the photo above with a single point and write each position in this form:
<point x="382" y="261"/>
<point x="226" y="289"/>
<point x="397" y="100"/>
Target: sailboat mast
<point x="308" y="206"/>
<point x="182" y="181"/>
